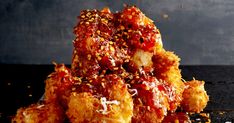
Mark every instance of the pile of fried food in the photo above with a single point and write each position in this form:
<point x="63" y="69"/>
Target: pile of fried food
<point x="120" y="73"/>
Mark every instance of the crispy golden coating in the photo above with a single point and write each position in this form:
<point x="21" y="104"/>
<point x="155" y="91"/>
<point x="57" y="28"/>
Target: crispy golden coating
<point x="166" y="65"/>
<point x="40" y="113"/>
<point x="82" y="107"/>
<point x="109" y="102"/>
<point x="151" y="102"/>
<point x="195" y="97"/>
<point x="59" y="85"/>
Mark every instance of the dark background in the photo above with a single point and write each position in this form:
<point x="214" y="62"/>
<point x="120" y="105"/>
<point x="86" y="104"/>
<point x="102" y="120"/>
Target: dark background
<point x="201" y="32"/>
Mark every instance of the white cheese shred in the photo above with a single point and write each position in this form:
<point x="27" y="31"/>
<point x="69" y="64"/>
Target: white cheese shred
<point x="133" y="92"/>
<point x="105" y="103"/>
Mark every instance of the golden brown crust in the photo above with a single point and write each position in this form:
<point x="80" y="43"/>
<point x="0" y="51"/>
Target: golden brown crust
<point x="195" y="97"/>
<point x="166" y="66"/>
<point x="40" y="113"/>
<point x="111" y="103"/>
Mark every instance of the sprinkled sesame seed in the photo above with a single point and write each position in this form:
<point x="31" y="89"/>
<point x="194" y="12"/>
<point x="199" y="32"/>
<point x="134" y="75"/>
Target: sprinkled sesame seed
<point x="88" y="14"/>
<point x="112" y="49"/>
<point x="122" y="27"/>
<point x="98" y="32"/>
<point x="102" y="47"/>
<point x="130" y="16"/>
<point x="102" y="39"/>
<point x="110" y="42"/>
<point x="89" y="57"/>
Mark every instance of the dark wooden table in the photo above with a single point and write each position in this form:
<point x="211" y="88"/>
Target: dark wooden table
<point x="21" y="85"/>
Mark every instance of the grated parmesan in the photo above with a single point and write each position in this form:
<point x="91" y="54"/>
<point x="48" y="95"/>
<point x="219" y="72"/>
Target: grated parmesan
<point x="133" y="91"/>
<point x="104" y="103"/>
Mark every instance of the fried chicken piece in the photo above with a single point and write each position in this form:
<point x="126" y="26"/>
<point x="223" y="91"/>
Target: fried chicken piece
<point x="40" y="113"/>
<point x="102" y="99"/>
<point x="195" y="97"/>
<point x="58" y="85"/>
<point x="166" y="68"/>
<point x="151" y="101"/>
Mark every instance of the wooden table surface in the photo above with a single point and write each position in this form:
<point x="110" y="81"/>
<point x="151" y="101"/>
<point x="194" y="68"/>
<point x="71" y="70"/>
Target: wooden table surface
<point x="21" y="85"/>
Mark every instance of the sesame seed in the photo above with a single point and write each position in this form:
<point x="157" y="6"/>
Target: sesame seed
<point x="88" y="14"/>
<point x="112" y="49"/>
<point x="98" y="32"/>
<point x="73" y="89"/>
<point x="110" y="42"/>
<point x="103" y="85"/>
<point x="102" y="47"/>
<point x="89" y="57"/>
<point x="99" y="58"/>
<point x="80" y="64"/>
<point x="122" y="27"/>
<point x="130" y="16"/>
<point x="102" y="39"/>
<point x="148" y="108"/>
<point x="74" y="94"/>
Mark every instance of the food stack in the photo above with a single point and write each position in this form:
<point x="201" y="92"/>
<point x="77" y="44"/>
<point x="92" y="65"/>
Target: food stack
<point x="120" y="73"/>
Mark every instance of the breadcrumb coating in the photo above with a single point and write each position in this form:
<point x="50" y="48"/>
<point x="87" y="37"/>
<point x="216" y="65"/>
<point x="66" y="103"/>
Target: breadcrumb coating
<point x="195" y="97"/>
<point x="109" y="102"/>
<point x="166" y="66"/>
<point x="40" y="113"/>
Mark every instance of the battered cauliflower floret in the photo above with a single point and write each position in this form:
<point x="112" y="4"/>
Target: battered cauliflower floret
<point x="166" y="68"/>
<point x="151" y="102"/>
<point x="142" y="60"/>
<point x="142" y="33"/>
<point x="109" y="101"/>
<point x="40" y="113"/>
<point x="137" y="35"/>
<point x="82" y="107"/>
<point x="58" y="85"/>
<point x="195" y="97"/>
<point x="94" y="48"/>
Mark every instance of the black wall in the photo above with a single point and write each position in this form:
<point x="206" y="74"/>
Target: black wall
<point x="40" y="31"/>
